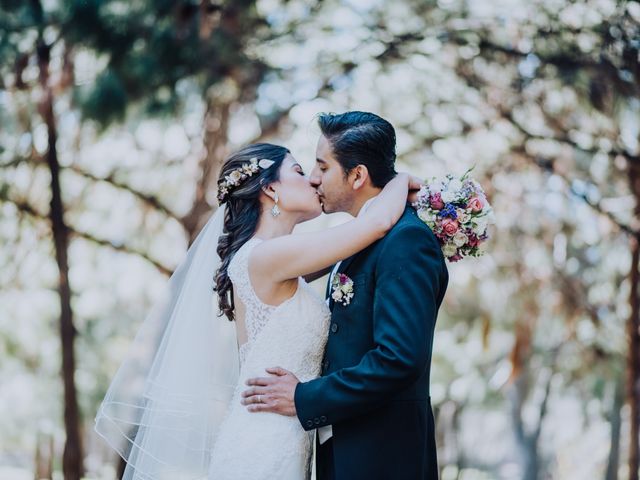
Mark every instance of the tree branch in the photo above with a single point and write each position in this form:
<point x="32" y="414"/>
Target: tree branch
<point x="565" y="139"/>
<point x="548" y="165"/>
<point x="27" y="208"/>
<point x="146" y="198"/>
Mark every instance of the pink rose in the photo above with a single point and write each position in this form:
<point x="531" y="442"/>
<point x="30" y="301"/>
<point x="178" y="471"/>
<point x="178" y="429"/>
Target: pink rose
<point x="475" y="204"/>
<point x="449" y="226"/>
<point x="436" y="201"/>
<point x="474" y="241"/>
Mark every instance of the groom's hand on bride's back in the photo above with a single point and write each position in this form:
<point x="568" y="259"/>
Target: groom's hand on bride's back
<point x="272" y="394"/>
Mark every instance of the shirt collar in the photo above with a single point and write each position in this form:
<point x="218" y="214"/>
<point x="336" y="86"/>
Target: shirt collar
<point x="366" y="205"/>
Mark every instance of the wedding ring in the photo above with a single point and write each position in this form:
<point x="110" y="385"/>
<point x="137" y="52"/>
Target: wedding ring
<point x="259" y="398"/>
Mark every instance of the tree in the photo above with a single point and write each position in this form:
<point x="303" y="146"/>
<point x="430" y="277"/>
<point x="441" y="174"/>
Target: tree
<point x="151" y="47"/>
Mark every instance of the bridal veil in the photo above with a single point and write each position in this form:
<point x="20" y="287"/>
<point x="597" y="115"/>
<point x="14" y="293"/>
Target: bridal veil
<point x="164" y="407"/>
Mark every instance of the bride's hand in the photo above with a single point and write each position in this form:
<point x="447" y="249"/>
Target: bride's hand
<point x="415" y="184"/>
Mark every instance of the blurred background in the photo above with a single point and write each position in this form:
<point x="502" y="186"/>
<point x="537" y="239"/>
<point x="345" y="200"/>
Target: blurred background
<point x="114" y="119"/>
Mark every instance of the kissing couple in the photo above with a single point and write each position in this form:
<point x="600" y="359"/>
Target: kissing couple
<point x="241" y="367"/>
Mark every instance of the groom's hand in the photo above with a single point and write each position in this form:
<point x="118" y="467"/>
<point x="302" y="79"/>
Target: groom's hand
<point x="272" y="394"/>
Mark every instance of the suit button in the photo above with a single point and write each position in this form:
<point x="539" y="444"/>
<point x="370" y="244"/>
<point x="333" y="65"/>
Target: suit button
<point x="317" y="421"/>
<point x="334" y="327"/>
<point x="323" y="418"/>
<point x="325" y="365"/>
<point x="309" y="423"/>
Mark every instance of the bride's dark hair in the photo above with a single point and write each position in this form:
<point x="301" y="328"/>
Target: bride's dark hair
<point x="243" y="211"/>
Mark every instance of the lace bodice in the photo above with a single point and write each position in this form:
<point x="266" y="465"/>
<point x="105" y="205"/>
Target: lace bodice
<point x="257" y="312"/>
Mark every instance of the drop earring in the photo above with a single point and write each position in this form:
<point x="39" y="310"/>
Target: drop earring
<point x="275" y="211"/>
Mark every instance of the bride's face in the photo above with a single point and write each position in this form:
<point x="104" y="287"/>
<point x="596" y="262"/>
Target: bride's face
<point x="296" y="195"/>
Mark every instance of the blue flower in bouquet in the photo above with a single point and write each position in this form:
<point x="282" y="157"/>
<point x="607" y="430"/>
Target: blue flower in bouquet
<point x="449" y="210"/>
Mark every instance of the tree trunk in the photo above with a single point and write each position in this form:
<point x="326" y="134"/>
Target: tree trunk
<point x="517" y="393"/>
<point x="72" y="456"/>
<point x="633" y="370"/>
<point x="216" y="124"/>
<point x="633" y="339"/>
<point x="528" y="441"/>
<point x="615" y="419"/>
<point x="43" y="468"/>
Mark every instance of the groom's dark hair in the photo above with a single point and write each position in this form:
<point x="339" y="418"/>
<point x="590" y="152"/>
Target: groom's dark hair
<point x="362" y="138"/>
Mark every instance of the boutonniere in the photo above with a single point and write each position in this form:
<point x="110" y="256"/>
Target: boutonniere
<point x="342" y="289"/>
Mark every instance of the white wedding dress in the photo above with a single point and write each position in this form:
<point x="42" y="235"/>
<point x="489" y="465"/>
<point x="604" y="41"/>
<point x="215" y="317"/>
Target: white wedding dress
<point x="267" y="446"/>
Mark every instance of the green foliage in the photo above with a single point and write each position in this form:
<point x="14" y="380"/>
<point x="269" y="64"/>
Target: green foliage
<point x="149" y="45"/>
<point x="106" y="100"/>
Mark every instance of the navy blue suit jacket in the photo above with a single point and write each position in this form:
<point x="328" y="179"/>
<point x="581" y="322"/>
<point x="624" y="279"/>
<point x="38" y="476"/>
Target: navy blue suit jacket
<point x="374" y="388"/>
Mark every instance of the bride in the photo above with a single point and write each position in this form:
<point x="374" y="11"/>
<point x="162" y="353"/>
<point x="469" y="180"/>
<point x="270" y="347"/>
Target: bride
<point x="173" y="409"/>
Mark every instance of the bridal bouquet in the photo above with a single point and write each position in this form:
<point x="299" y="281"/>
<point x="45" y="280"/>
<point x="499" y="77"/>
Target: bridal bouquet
<point x="457" y="211"/>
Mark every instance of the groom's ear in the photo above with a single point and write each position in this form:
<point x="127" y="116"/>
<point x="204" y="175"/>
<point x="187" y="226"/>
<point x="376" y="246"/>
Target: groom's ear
<point x="358" y="176"/>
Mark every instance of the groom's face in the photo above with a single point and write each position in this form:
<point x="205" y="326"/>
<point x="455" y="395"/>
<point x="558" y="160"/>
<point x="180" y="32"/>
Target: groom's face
<point x="330" y="181"/>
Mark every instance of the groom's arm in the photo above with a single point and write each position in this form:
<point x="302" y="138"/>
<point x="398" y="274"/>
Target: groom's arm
<point x="404" y="315"/>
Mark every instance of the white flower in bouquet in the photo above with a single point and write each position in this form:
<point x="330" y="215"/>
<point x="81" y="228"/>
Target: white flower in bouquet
<point x="463" y="216"/>
<point x="479" y="224"/>
<point x="428" y="217"/>
<point x="460" y="239"/>
<point x="449" y="249"/>
<point x="448" y="196"/>
<point x="455" y="186"/>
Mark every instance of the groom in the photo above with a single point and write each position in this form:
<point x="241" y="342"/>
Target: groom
<point x="371" y="405"/>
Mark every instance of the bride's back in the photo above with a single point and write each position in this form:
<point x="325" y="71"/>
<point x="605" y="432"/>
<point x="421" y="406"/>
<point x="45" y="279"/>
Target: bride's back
<point x="252" y="315"/>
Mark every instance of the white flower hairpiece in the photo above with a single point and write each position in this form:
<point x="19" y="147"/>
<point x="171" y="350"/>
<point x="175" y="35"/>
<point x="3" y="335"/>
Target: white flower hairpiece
<point x="265" y="163"/>
<point x="237" y="176"/>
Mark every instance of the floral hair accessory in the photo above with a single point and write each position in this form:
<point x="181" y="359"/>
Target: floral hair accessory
<point x="265" y="163"/>
<point x="235" y="178"/>
<point x="342" y="288"/>
<point x="457" y="211"/>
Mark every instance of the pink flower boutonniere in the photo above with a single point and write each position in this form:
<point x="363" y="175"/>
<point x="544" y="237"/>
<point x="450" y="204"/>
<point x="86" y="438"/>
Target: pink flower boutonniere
<point x="342" y="289"/>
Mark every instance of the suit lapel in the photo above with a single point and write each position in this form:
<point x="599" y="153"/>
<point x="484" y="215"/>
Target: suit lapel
<point x="342" y="269"/>
<point x="345" y="263"/>
<point x="328" y="289"/>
